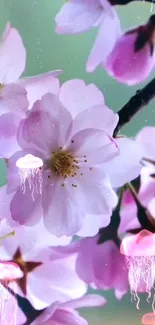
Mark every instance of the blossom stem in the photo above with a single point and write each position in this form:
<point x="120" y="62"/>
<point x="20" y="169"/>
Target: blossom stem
<point x="135" y="104"/>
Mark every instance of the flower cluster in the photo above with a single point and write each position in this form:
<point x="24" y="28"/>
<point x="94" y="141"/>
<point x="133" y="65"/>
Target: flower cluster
<point x="129" y="56"/>
<point x="71" y="190"/>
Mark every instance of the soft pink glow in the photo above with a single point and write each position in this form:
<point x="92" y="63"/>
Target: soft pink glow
<point x="148" y="319"/>
<point x="142" y="244"/>
<point x="9" y="271"/>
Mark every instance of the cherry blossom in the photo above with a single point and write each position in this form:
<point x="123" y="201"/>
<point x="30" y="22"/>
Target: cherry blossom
<point x="18" y="95"/>
<point x="99" y="265"/>
<point x="79" y="16"/>
<point x="139" y="59"/>
<point x="44" y="280"/>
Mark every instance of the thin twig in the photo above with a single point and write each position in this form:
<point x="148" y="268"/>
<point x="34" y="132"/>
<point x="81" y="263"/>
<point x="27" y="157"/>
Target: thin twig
<point x="124" y="2"/>
<point x="135" y="104"/>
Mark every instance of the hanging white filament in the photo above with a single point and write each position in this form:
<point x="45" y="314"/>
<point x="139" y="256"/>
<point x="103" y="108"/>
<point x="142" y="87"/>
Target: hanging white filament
<point x="30" y="170"/>
<point x="141" y="270"/>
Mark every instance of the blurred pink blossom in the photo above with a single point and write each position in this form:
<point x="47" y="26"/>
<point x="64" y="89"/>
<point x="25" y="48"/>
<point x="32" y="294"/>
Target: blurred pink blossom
<point x="99" y="265"/>
<point x="66" y="314"/>
<point x="45" y="280"/>
<point x="17" y="95"/>
<point x="133" y="57"/>
<point x="79" y="16"/>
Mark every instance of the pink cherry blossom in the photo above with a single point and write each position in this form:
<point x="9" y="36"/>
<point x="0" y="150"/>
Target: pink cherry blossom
<point x="16" y="95"/>
<point x="73" y="170"/>
<point x="99" y="265"/>
<point x="131" y="63"/>
<point x="66" y="314"/>
<point x="78" y="16"/>
<point x="82" y="100"/>
<point x="79" y="101"/>
<point x="44" y="279"/>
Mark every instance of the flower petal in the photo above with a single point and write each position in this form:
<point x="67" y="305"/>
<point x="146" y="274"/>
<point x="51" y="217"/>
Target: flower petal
<point x="12" y="56"/>
<point x="38" y="86"/>
<point x="9" y="124"/>
<point x="76" y="96"/>
<point x="144" y="138"/>
<point x="13" y="98"/>
<point x="62" y="280"/>
<point x="93" y="146"/>
<point x="86" y="301"/>
<point x="29" y="211"/>
<point x="127" y="163"/>
<point x="61" y="216"/>
<point x="77" y="17"/>
<point x="103" y="44"/>
<point x="60" y="119"/>
<point x="99" y="117"/>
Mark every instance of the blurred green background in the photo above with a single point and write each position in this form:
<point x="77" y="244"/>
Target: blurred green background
<point x="48" y="51"/>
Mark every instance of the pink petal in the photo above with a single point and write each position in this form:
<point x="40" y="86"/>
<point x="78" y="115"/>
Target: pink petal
<point x="38" y="86"/>
<point x="62" y="283"/>
<point x="46" y="315"/>
<point x="57" y="202"/>
<point x="77" y="17"/>
<point x="95" y="222"/>
<point x="109" y="267"/>
<point x="85" y="258"/>
<point x="136" y="67"/>
<point x="103" y="44"/>
<point x="40" y="123"/>
<point x="12" y="56"/>
<point x="144" y="137"/>
<point x="29" y="211"/>
<point x="9" y="124"/>
<point x="13" y="98"/>
<point x="68" y="317"/>
<point x="127" y="168"/>
<point x="95" y="197"/>
<point x="85" y="301"/>
<point x="99" y="117"/>
<point x="61" y="118"/>
<point x="94" y="146"/>
<point x="5" y="200"/>
<point x="76" y="96"/>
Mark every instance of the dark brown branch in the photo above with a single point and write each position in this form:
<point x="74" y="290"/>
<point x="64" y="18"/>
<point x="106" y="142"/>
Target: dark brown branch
<point x="135" y="104"/>
<point x="124" y="2"/>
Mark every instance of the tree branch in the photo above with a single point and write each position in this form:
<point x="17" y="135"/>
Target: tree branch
<point x="135" y="104"/>
<point x="124" y="2"/>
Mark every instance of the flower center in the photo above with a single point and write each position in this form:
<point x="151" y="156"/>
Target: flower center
<point x="62" y="163"/>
